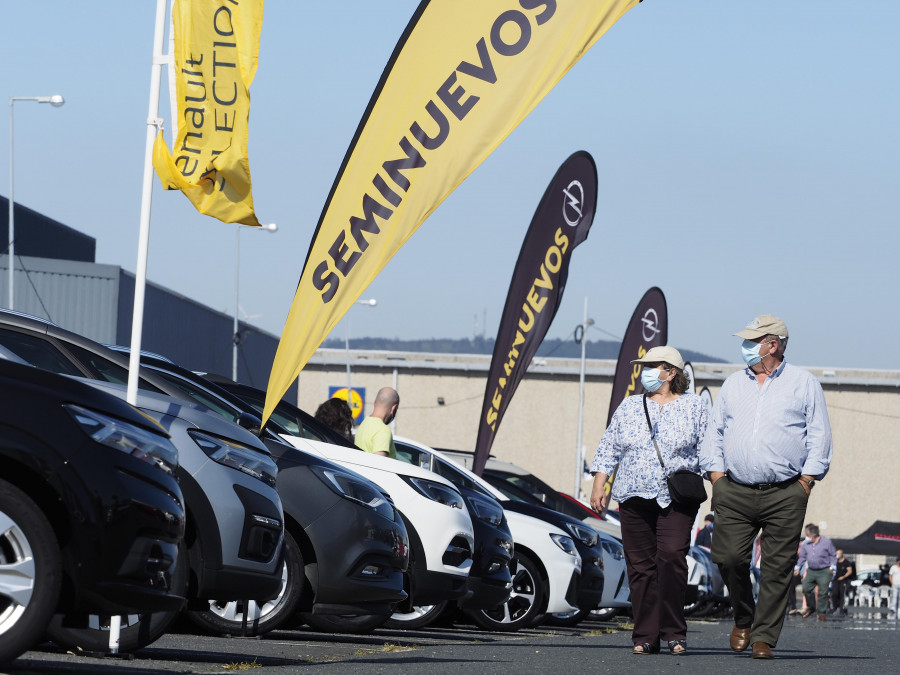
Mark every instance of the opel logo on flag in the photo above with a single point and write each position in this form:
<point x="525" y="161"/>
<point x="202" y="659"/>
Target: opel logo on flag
<point x="650" y="322"/>
<point x="574" y="198"/>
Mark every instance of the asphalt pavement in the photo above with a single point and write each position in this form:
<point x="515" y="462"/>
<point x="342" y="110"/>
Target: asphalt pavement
<point x="862" y="642"/>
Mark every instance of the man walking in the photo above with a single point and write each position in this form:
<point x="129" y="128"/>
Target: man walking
<point x="374" y="435"/>
<point x="819" y="555"/>
<point x="844" y="574"/>
<point x="768" y="441"/>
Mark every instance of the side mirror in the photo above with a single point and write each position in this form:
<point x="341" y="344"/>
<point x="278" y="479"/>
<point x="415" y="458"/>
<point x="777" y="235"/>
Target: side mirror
<point x="250" y="422"/>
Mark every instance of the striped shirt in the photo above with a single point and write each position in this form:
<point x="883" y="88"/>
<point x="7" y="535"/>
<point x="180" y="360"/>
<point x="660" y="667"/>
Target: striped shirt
<point x="769" y="433"/>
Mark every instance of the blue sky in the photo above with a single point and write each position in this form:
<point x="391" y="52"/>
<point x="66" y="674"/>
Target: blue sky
<point x="747" y="156"/>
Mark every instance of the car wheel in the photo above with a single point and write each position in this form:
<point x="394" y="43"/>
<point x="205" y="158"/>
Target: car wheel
<point x="568" y="619"/>
<point x="250" y="618"/>
<point x="345" y="623"/>
<point x="524" y="605"/>
<point x="90" y="632"/>
<point x="604" y="613"/>
<point x="30" y="572"/>
<point x="419" y="617"/>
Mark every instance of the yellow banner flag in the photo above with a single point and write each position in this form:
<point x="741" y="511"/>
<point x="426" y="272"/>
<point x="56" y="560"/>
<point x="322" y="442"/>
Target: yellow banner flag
<point x="215" y="57"/>
<point x="464" y="74"/>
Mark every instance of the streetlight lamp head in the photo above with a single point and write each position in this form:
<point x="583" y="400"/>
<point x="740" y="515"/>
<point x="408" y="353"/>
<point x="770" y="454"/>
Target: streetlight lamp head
<point x="270" y="227"/>
<point x="372" y="302"/>
<point x="57" y="101"/>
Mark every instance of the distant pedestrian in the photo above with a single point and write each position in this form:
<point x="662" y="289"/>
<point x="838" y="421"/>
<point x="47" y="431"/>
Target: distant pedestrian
<point x="769" y="439"/>
<point x="374" y="435"/>
<point x="337" y="414"/>
<point x="895" y="588"/>
<point x="844" y="573"/>
<point x="819" y="555"/>
<point x="656" y="530"/>
<point x="704" y="536"/>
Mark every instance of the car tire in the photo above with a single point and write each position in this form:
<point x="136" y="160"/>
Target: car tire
<point x="604" y="613"/>
<point x="525" y="603"/>
<point x="30" y="551"/>
<point x="353" y="624"/>
<point x="90" y="632"/>
<point x="227" y="618"/>
<point x="419" y="617"/>
<point x="569" y="619"/>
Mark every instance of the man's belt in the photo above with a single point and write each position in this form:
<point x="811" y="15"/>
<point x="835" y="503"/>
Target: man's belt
<point x="767" y="486"/>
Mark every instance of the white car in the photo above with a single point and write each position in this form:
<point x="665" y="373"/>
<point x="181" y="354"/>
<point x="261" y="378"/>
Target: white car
<point x="548" y="563"/>
<point x="439" y="526"/>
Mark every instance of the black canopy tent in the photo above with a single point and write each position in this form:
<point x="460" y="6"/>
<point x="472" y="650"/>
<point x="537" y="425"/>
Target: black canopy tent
<point x="881" y="538"/>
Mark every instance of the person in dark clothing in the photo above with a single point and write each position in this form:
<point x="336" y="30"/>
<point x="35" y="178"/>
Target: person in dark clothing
<point x="846" y="570"/>
<point x="704" y="536"/>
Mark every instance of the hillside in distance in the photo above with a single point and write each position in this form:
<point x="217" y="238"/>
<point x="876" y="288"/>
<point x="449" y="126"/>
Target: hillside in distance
<point x="556" y="347"/>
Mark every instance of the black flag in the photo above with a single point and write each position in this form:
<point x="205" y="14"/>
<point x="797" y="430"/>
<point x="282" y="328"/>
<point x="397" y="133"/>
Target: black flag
<point x="559" y="224"/>
<point x="649" y="327"/>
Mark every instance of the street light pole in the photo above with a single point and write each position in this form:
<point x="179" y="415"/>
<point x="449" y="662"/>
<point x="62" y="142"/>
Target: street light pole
<point x="579" y="449"/>
<point x="56" y="101"/>
<point x="235" y="335"/>
<point x="371" y="303"/>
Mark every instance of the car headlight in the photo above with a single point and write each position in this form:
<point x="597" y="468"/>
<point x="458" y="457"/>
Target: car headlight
<point x="584" y="534"/>
<point x="614" y="549"/>
<point x="565" y="543"/>
<point x="231" y="454"/>
<point x="438" y="492"/>
<point x="152" y="448"/>
<point x="485" y="509"/>
<point x="356" y="490"/>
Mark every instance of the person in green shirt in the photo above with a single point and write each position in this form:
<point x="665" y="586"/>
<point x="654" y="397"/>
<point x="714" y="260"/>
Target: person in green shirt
<point x="374" y="435"/>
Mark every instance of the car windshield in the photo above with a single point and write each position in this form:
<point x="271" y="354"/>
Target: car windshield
<point x="199" y="395"/>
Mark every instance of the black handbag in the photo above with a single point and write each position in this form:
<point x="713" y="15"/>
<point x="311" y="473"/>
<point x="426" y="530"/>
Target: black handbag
<point x="685" y="486"/>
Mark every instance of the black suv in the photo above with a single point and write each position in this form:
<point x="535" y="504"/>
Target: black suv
<point x="91" y="514"/>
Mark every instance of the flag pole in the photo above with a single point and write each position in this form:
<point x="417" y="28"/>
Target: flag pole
<point x="140" y="276"/>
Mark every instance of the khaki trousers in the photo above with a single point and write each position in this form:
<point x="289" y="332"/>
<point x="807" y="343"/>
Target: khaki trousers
<point x="741" y="513"/>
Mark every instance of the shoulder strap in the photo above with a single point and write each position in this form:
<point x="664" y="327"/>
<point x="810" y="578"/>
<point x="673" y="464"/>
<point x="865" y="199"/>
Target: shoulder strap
<point x="652" y="437"/>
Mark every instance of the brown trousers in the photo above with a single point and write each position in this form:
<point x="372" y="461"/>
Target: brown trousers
<point x="656" y="541"/>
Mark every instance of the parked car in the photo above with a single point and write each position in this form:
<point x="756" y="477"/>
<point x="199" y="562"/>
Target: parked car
<point x="328" y="550"/>
<point x="441" y="539"/>
<point x="520" y="484"/>
<point x="233" y="537"/>
<point x="343" y="561"/>
<point x="91" y="514"/>
<point x="549" y="570"/>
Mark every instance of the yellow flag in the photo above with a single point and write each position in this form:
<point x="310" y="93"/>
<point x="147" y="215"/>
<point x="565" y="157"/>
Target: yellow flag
<point x="463" y="75"/>
<point x="216" y="52"/>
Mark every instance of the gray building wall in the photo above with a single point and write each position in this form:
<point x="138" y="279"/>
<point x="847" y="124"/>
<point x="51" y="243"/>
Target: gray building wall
<point x="96" y="301"/>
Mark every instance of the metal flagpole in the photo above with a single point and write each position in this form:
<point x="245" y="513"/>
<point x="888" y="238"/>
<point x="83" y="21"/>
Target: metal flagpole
<point x="140" y="276"/>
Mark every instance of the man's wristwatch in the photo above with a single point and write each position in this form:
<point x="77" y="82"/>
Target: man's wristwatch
<point x="809" y="483"/>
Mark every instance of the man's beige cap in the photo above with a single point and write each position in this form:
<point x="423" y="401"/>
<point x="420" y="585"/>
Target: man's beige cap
<point x="659" y="354"/>
<point x="764" y="324"/>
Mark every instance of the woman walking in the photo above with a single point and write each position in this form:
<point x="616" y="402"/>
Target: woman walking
<point x="650" y="437"/>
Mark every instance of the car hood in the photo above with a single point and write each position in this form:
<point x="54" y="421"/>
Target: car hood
<point x="196" y="415"/>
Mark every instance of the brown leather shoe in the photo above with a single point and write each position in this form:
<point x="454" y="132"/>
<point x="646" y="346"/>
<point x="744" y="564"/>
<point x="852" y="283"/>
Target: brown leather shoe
<point x="740" y="638"/>
<point x="806" y="613"/>
<point x="762" y="650"/>
<point x="821" y="617"/>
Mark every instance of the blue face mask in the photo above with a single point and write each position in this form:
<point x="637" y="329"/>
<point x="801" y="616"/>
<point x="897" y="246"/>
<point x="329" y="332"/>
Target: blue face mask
<point x="750" y="352"/>
<point x="650" y="379"/>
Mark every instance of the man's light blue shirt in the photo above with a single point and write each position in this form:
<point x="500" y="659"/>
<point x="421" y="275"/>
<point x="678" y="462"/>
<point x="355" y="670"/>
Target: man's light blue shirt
<point x="769" y="433"/>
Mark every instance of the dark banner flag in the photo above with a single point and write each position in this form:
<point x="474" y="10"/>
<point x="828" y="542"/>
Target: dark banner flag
<point x="649" y="327"/>
<point x="559" y="224"/>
